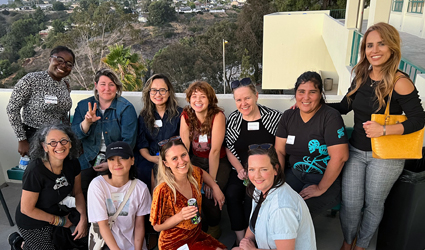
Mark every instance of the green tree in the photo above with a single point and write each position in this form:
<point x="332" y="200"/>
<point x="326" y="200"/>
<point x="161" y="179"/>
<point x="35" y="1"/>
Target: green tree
<point x="39" y="15"/>
<point x="27" y="51"/>
<point x="58" y="6"/>
<point x="58" y="27"/>
<point x="161" y="12"/>
<point x="127" y="65"/>
<point x="246" y="67"/>
<point x="4" y="68"/>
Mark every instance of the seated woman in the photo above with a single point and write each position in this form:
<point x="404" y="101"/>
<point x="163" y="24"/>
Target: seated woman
<point x="100" y="120"/>
<point x="106" y="193"/>
<point x="203" y="126"/>
<point x="52" y="175"/>
<point x="178" y="181"/>
<point x="314" y="137"/>
<point x="158" y="120"/>
<point x="280" y="218"/>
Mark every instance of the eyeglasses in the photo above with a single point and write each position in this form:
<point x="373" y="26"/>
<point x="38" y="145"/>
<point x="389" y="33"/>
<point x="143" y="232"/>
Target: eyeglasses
<point x="244" y="82"/>
<point x="60" y="60"/>
<point x="55" y="143"/>
<point x="265" y="146"/>
<point x="163" y="142"/>
<point x="161" y="91"/>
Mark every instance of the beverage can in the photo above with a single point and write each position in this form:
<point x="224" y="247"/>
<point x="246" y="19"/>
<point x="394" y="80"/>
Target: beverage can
<point x="197" y="219"/>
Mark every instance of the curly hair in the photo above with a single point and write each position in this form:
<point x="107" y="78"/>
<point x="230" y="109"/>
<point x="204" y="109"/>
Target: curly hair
<point x="279" y="179"/>
<point x="111" y="75"/>
<point x="148" y="111"/>
<point x="39" y="138"/>
<point x="166" y="175"/>
<point x="391" y="38"/>
<point x="213" y="109"/>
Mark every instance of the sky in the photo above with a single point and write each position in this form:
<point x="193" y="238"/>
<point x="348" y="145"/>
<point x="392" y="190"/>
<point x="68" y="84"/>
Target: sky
<point x="3" y="2"/>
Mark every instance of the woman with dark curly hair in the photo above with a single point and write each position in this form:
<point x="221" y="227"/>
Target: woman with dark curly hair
<point x="203" y="126"/>
<point x="52" y="175"/>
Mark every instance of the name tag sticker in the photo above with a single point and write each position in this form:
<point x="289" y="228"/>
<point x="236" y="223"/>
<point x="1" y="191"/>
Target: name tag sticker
<point x="203" y="138"/>
<point x="117" y="197"/>
<point x="253" y="125"/>
<point x="158" y="123"/>
<point x="50" y="99"/>
<point x="290" y="139"/>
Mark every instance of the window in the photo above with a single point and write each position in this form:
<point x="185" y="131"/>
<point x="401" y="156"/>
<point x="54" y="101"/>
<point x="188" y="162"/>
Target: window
<point x="415" y="6"/>
<point x="397" y="5"/>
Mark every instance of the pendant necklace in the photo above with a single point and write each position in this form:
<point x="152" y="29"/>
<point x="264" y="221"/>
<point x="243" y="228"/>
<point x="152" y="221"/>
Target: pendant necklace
<point x="373" y="82"/>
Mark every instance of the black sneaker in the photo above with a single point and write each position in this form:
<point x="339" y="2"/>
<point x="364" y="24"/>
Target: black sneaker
<point x="15" y="241"/>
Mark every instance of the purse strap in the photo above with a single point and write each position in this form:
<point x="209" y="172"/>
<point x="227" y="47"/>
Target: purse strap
<point x="124" y="201"/>
<point x="387" y="109"/>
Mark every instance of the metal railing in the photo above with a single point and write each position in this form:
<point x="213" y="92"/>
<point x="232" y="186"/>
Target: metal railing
<point x="415" y="6"/>
<point x="357" y="38"/>
<point x="338" y="13"/>
<point x="397" y="5"/>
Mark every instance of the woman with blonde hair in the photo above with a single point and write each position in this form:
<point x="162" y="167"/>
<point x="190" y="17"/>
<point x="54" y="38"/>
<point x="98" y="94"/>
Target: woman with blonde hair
<point x="178" y="182"/>
<point x="367" y="181"/>
<point x="203" y="126"/>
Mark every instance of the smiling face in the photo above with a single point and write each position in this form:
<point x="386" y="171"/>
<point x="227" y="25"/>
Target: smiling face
<point x="106" y="89"/>
<point x="246" y="100"/>
<point x="118" y="166"/>
<point x="199" y="101"/>
<point x="308" y="97"/>
<point x="159" y="99"/>
<point x="261" y="173"/>
<point x="377" y="52"/>
<point x="58" y="68"/>
<point x="177" y="159"/>
<point x="59" y="152"/>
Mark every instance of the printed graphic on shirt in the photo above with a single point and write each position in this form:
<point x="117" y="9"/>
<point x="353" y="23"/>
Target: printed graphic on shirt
<point x="112" y="208"/>
<point x="340" y="132"/>
<point x="60" y="182"/>
<point x="312" y="166"/>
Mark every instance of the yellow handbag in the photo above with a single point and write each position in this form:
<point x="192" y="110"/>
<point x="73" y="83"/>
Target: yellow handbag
<point x="408" y="146"/>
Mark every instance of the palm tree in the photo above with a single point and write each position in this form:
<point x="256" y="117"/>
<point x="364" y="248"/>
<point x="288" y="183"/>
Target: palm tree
<point x="128" y="66"/>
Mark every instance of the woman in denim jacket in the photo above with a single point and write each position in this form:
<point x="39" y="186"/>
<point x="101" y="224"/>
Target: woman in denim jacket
<point x="100" y="120"/>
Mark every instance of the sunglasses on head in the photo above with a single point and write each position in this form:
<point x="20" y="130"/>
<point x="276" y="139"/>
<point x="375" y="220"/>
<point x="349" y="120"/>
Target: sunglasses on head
<point x="265" y="146"/>
<point x="244" y="82"/>
<point x="163" y="142"/>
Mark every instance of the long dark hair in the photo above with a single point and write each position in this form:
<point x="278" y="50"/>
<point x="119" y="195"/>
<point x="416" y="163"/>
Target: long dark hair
<point x="315" y="78"/>
<point x="279" y="179"/>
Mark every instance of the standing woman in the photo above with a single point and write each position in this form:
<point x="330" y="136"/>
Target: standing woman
<point x="158" y="120"/>
<point x="100" y="120"/>
<point x="52" y="175"/>
<point x="367" y="181"/>
<point x="179" y="181"/>
<point x="43" y="97"/>
<point x="203" y="126"/>
<point x="251" y="123"/>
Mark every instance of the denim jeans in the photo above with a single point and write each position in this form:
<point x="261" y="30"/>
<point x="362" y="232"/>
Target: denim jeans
<point x="366" y="183"/>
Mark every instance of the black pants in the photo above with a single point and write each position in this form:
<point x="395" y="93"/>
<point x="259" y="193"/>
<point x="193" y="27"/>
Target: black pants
<point x="238" y="202"/>
<point x="87" y="175"/>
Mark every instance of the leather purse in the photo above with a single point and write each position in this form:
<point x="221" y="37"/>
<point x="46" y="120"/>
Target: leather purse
<point x="96" y="241"/>
<point x="408" y="146"/>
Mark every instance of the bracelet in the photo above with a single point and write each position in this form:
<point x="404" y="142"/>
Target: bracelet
<point x="62" y="221"/>
<point x="53" y="220"/>
<point x="385" y="130"/>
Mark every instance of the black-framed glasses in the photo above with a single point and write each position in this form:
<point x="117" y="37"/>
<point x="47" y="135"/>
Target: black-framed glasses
<point x="244" y="82"/>
<point x="161" y="91"/>
<point x="55" y="143"/>
<point x="174" y="138"/>
<point x="61" y="60"/>
<point x="265" y="146"/>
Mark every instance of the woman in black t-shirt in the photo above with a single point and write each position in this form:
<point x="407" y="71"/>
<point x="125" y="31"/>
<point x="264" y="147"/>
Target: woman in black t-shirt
<point x="314" y="138"/>
<point x="250" y="124"/>
<point x="52" y="175"/>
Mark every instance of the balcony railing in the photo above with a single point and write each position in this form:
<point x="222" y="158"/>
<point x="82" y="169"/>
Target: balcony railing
<point x="357" y="38"/>
<point x="338" y="13"/>
<point x="415" y="6"/>
<point x="397" y="5"/>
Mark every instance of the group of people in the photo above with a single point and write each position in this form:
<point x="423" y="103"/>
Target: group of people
<point x="274" y="171"/>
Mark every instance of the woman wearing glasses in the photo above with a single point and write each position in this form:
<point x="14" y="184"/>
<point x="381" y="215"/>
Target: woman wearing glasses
<point x="314" y="137"/>
<point x="251" y="123"/>
<point x="42" y="96"/>
<point x="100" y="120"/>
<point x="52" y="175"/>
<point x="202" y="126"/>
<point x="158" y="120"/>
<point x="280" y="219"/>
<point x="179" y="182"/>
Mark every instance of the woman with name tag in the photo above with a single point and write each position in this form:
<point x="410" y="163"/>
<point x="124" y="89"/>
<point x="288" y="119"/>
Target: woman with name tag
<point x="43" y="97"/>
<point x="314" y="138"/>
<point x="100" y="120"/>
<point x="251" y="123"/>
<point x="106" y="195"/>
<point x="177" y="200"/>
<point x="202" y="126"/>
<point x="158" y="120"/>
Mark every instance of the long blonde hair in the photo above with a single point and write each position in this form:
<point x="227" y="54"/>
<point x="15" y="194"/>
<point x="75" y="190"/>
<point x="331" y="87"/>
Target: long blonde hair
<point x="166" y="175"/>
<point x="391" y="38"/>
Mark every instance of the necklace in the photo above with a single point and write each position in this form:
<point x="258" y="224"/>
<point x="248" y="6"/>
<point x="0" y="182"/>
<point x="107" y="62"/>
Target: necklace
<point x="373" y="82"/>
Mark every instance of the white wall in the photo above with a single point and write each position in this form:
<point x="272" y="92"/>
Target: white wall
<point x="413" y="24"/>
